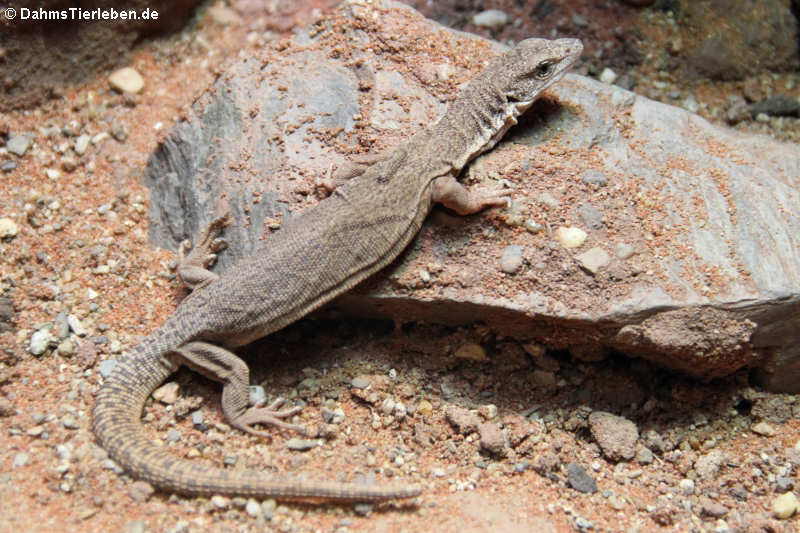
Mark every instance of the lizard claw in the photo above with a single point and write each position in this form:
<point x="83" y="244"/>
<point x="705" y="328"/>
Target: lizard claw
<point x="268" y="416"/>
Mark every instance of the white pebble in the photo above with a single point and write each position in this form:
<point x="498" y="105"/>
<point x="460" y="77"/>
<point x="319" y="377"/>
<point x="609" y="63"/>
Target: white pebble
<point x="126" y="80"/>
<point x="8" y="228"/>
<point x="81" y="144"/>
<point x="785" y="505"/>
<point x="608" y="76"/>
<point x="491" y="18"/>
<point x="253" y="508"/>
<point x="571" y="237"/>
<point x="686" y="486"/>
<point x="40" y="341"/>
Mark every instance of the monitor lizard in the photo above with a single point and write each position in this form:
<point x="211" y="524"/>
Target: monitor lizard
<point x="358" y="230"/>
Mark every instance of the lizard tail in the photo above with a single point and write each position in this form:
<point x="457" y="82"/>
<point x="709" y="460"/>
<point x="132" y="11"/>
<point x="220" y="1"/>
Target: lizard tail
<point x="117" y="425"/>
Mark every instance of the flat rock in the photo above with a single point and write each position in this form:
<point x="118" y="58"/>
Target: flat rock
<point x="713" y="214"/>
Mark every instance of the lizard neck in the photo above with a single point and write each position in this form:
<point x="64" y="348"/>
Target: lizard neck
<point x="473" y="124"/>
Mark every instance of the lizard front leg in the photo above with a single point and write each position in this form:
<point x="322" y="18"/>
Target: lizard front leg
<point x="453" y="195"/>
<point x="219" y="364"/>
<point x="193" y="268"/>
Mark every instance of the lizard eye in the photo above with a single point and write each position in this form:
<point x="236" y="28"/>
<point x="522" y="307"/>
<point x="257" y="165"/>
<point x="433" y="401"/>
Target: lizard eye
<point x="543" y="70"/>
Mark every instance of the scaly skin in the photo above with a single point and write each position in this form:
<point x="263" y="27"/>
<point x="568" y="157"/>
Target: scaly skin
<point x="362" y="227"/>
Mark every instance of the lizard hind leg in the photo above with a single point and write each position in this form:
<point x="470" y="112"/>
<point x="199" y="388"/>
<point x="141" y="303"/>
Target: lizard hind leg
<point x="193" y="267"/>
<point x="224" y="366"/>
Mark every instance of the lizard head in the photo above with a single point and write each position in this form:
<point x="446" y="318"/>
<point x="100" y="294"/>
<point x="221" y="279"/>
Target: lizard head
<point x="532" y="66"/>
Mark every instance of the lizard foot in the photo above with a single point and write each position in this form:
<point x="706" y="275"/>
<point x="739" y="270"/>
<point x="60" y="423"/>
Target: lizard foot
<point x="463" y="201"/>
<point x="483" y="198"/>
<point x="193" y="266"/>
<point x="268" y="416"/>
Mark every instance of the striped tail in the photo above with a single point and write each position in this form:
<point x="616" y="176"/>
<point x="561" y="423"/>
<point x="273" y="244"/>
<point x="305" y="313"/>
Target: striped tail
<point x="117" y="425"/>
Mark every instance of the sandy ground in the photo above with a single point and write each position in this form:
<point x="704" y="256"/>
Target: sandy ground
<point x="405" y="403"/>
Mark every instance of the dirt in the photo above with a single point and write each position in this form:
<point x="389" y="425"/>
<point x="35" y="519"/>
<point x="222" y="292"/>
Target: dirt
<point x="81" y="249"/>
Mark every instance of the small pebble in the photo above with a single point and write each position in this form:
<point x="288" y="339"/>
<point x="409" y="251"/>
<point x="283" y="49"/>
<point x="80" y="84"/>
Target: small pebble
<point x="69" y="422"/>
<point x="492" y="439"/>
<point x="623" y="250"/>
<point x="8" y="166"/>
<point x="463" y="420"/>
<point x="77" y="326"/>
<point x="126" y="80"/>
<point x="533" y="226"/>
<point x="608" y="76"/>
<point x="140" y="491"/>
<point x="783" y="484"/>
<point x="491" y="18"/>
<point x="472" y="352"/>
<point x="8" y="228"/>
<point x="20" y="459"/>
<point x="81" y="144"/>
<point x="220" y="502"/>
<point x="253" y="508"/>
<point x="360" y="382"/>
<point x="785" y="505"/>
<point x="106" y="367"/>
<point x="714" y="509"/>
<point x="763" y="429"/>
<point x="590" y="215"/>
<point x="198" y="420"/>
<point x="18" y="144"/>
<point x="424" y="407"/>
<point x="301" y="445"/>
<point x="615" y="435"/>
<point x="644" y="456"/>
<point x="363" y="509"/>
<point x="570" y="237"/>
<point x="594" y="260"/>
<point x="582" y="524"/>
<point x="686" y="486"/>
<point x="512" y="258"/>
<point x="172" y="435"/>
<point x="258" y="395"/>
<point x="167" y="393"/>
<point x="100" y="137"/>
<point x="40" y="341"/>
<point x="580" y="480"/>
<point x="708" y="466"/>
<point x="268" y="508"/>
